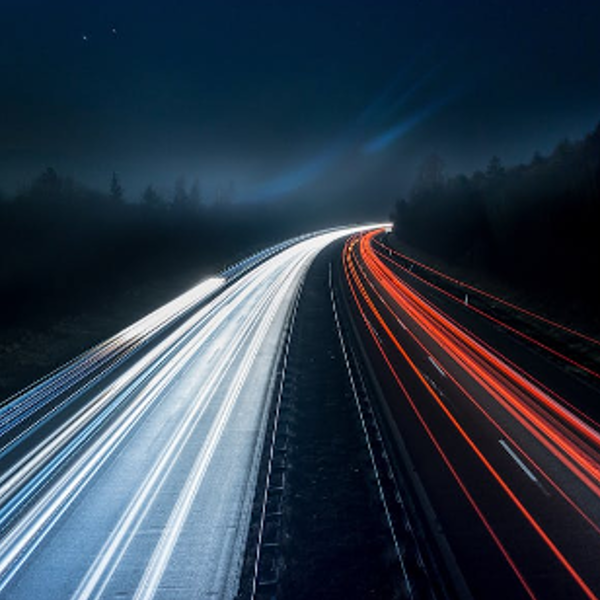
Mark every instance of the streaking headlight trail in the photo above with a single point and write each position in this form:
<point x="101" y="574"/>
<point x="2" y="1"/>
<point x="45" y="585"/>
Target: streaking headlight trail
<point x="131" y="473"/>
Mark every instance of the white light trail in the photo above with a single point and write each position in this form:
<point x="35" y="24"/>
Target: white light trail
<point x="193" y="405"/>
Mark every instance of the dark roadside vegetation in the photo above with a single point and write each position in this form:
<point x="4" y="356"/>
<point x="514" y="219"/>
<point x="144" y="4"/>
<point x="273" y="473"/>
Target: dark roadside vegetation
<point x="529" y="233"/>
<point x="79" y="264"/>
<point x="536" y="225"/>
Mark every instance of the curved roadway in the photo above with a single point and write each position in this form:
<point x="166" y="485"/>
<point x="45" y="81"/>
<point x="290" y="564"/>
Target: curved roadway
<point x="130" y="473"/>
<point x="510" y="467"/>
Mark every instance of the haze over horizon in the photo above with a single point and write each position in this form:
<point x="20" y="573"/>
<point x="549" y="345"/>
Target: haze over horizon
<point x="286" y="97"/>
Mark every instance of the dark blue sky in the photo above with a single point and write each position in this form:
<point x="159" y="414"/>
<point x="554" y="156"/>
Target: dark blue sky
<point x="285" y="95"/>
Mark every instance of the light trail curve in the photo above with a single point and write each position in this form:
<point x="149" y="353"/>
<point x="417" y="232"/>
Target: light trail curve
<point x="143" y="488"/>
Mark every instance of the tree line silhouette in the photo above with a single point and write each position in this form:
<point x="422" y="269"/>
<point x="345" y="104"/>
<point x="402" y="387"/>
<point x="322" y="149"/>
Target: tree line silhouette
<point x="536" y="225"/>
<point x="65" y="246"/>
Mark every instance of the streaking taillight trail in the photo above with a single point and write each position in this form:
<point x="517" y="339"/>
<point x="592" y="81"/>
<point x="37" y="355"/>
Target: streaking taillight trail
<point x="513" y="403"/>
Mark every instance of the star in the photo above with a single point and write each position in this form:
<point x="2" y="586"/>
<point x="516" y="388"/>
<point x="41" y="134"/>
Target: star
<point x="84" y="37"/>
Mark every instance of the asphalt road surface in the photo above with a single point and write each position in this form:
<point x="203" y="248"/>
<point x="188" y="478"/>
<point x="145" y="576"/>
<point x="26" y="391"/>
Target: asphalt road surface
<point x="508" y="466"/>
<point x="130" y="472"/>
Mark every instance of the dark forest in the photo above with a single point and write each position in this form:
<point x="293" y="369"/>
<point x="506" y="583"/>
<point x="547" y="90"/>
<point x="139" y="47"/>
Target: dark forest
<point x="534" y="225"/>
<point x="65" y="245"/>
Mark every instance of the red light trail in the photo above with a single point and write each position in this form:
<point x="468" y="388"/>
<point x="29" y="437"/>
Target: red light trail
<point x="518" y="407"/>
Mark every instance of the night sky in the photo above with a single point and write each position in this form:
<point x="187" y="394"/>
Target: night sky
<point x="284" y="97"/>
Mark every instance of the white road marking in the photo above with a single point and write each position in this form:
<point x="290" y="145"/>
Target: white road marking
<point x="435" y="364"/>
<point x="519" y="462"/>
<point x="401" y="324"/>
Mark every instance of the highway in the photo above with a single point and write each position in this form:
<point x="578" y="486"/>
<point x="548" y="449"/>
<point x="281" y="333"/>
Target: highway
<point x="130" y="472"/>
<point x="494" y="437"/>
